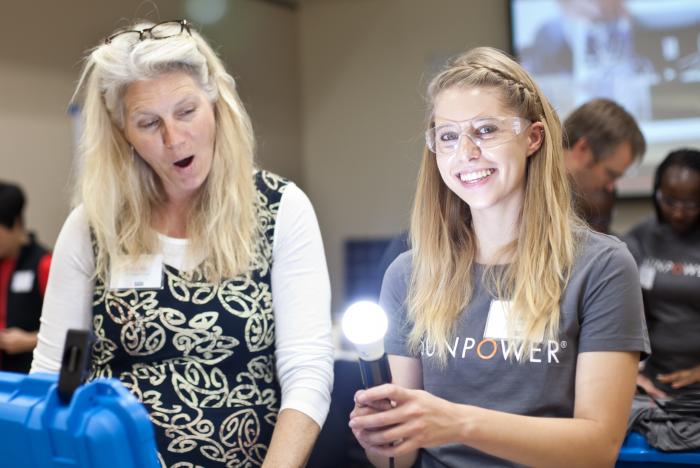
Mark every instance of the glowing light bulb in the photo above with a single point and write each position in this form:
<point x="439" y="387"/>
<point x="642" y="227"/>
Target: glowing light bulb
<point x="364" y="324"/>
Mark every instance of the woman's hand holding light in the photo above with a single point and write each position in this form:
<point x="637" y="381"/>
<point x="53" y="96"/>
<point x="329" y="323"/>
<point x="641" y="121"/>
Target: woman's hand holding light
<point x="414" y="419"/>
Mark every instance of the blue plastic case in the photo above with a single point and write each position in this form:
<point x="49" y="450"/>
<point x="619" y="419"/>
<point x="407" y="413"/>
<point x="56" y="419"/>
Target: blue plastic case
<point x="103" y="425"/>
<point x="636" y="452"/>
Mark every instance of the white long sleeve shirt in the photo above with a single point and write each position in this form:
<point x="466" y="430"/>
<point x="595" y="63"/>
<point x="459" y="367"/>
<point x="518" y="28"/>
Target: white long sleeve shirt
<point x="300" y="295"/>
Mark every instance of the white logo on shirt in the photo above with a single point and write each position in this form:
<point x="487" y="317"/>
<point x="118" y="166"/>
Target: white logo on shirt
<point x="489" y="348"/>
<point x="674" y="268"/>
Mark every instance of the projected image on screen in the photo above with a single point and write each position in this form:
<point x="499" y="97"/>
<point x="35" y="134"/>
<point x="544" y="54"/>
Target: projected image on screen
<point x="644" y="54"/>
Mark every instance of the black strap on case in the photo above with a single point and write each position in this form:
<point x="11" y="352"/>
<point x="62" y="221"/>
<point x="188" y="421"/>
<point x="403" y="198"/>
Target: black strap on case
<point x="76" y="355"/>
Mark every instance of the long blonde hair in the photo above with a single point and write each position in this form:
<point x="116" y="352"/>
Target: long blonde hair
<point x="443" y="239"/>
<point x="120" y="191"/>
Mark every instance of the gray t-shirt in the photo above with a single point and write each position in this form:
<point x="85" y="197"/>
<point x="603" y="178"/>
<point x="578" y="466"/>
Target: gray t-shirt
<point x="601" y="311"/>
<point x="669" y="267"/>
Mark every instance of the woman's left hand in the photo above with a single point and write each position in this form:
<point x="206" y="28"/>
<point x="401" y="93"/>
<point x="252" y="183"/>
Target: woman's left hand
<point x="417" y="420"/>
<point x="681" y="378"/>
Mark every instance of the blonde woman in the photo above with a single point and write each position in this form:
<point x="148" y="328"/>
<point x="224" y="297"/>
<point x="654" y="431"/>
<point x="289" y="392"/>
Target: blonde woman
<point x="515" y="331"/>
<point x="202" y="277"/>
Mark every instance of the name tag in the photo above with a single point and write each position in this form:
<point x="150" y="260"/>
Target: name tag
<point x="647" y="274"/>
<point x="496" y="322"/>
<point x="142" y="272"/>
<point x="22" y="281"/>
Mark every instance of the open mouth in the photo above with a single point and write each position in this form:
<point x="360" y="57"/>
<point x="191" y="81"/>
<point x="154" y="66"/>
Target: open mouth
<point x="475" y="176"/>
<point x="184" y="162"/>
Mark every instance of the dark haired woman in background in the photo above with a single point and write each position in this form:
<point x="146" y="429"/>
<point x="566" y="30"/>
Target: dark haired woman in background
<point x="667" y="250"/>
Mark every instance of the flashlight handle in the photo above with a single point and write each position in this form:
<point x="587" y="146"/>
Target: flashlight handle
<point x="375" y="372"/>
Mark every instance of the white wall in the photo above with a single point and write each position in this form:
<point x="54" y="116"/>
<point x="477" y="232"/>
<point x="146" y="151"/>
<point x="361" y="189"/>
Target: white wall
<point x="364" y="67"/>
<point x="36" y="141"/>
<point x="260" y="45"/>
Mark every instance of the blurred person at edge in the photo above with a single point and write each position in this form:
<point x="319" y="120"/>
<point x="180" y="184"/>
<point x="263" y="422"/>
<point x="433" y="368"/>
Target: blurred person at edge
<point x="24" y="270"/>
<point x="514" y="330"/>
<point x="667" y="250"/>
<point x="202" y="276"/>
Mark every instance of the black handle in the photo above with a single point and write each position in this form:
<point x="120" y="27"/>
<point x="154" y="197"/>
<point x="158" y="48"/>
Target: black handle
<point x="375" y="372"/>
<point x="76" y="355"/>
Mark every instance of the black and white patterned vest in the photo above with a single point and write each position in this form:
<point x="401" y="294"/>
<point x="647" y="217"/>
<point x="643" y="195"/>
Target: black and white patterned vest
<point x="200" y="356"/>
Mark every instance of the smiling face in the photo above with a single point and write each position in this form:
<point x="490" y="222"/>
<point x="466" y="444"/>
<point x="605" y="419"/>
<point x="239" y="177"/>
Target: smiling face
<point x="484" y="177"/>
<point x="170" y="122"/>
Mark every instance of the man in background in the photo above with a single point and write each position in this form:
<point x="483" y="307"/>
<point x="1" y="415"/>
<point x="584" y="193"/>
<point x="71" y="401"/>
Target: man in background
<point x="601" y="141"/>
<point x="24" y="271"/>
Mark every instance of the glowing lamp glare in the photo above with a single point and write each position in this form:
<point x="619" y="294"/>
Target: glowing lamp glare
<point x="365" y="324"/>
